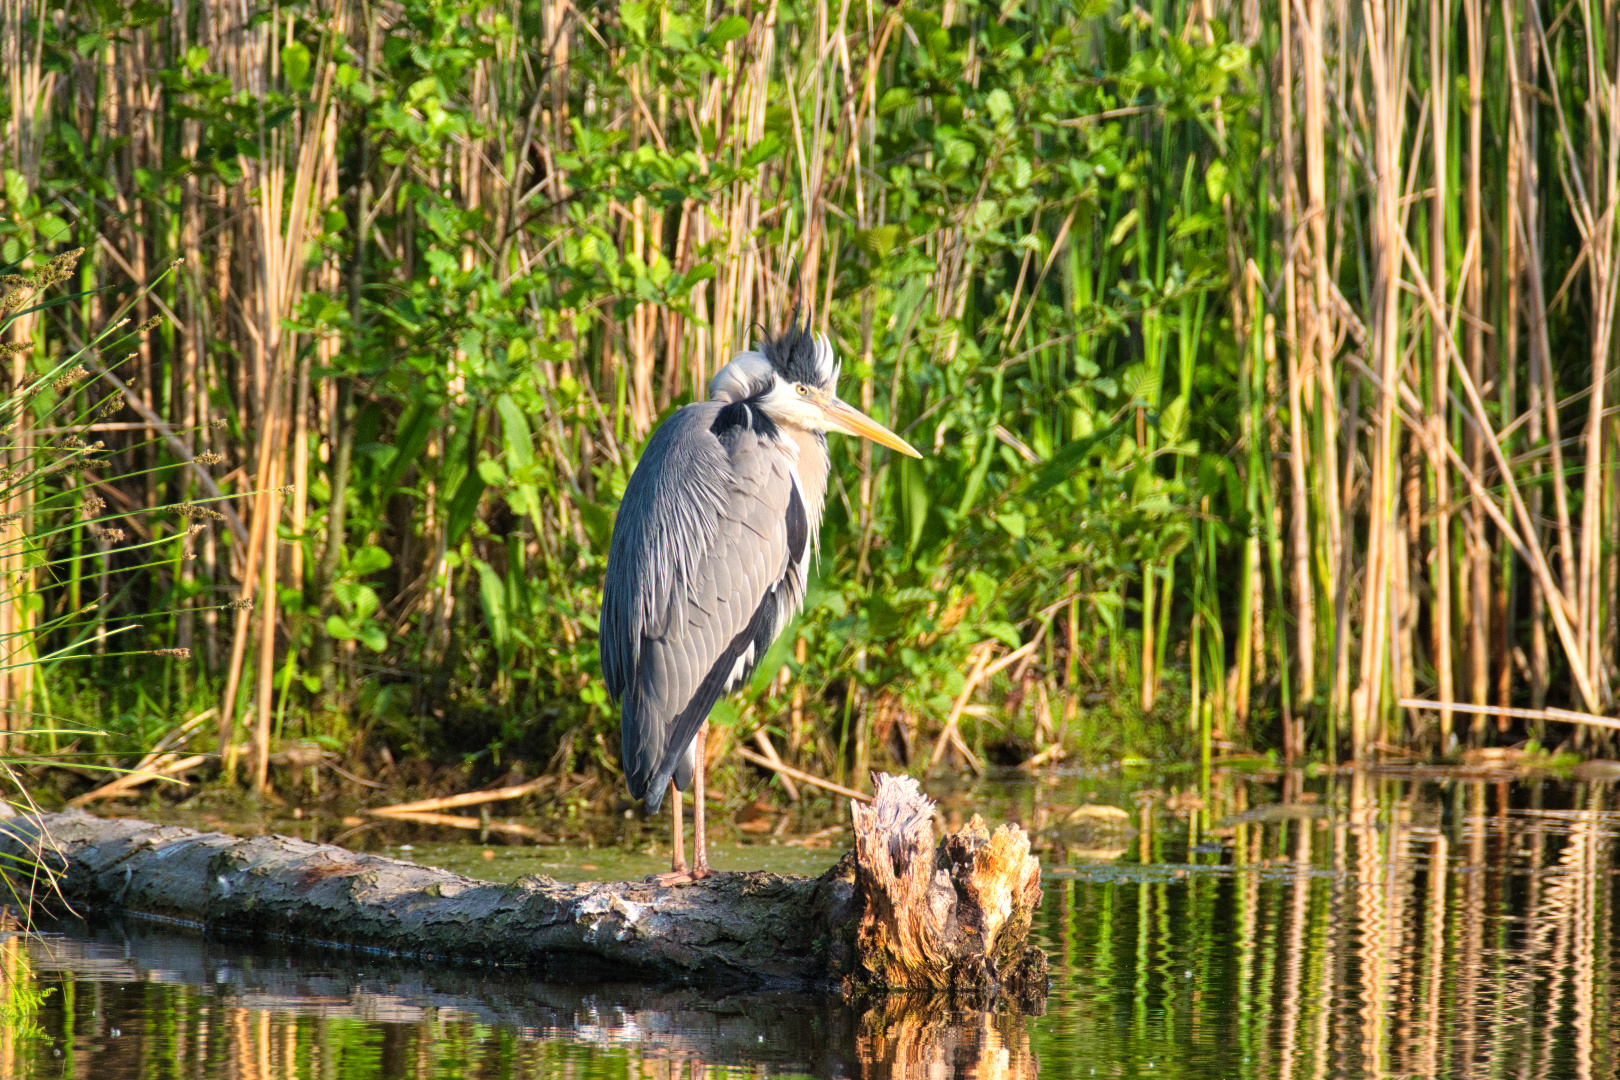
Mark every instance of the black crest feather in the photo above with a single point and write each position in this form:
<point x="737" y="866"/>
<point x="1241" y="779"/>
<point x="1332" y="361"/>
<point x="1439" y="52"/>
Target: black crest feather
<point x="792" y="353"/>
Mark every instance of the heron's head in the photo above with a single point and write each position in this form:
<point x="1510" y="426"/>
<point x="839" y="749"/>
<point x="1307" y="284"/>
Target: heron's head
<point x="793" y="379"/>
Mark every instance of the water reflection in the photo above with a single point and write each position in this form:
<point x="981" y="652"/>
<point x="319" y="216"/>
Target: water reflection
<point x="134" y="999"/>
<point x="1368" y="925"/>
<point x="1394" y="928"/>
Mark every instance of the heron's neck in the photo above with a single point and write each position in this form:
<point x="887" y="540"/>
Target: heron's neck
<point x="813" y="468"/>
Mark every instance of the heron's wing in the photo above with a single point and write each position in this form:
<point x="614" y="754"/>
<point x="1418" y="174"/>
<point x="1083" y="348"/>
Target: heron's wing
<point x="707" y="563"/>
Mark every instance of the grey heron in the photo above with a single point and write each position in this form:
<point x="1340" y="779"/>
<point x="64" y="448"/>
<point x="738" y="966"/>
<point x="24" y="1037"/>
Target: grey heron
<point x="710" y="557"/>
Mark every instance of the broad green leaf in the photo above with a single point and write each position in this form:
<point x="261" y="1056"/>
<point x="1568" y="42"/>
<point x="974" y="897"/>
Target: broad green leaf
<point x="762" y="151"/>
<point x="1141" y="383"/>
<point x="634" y="17"/>
<point x="1013" y="522"/>
<point x="52" y="229"/>
<point x="464" y="505"/>
<point x="1000" y="104"/>
<point x="895" y="97"/>
<point x="515" y="433"/>
<point x="1123" y="227"/>
<point x="295" y="64"/>
<point x="878" y="242"/>
<point x="1173" y="421"/>
<point x="726" y="30"/>
<point x="369" y="560"/>
<point x="492" y="594"/>
<point x="366" y="602"/>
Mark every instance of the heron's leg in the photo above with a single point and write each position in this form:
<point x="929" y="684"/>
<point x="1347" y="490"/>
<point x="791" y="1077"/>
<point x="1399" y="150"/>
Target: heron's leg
<point x="677" y="861"/>
<point x="700" y="842"/>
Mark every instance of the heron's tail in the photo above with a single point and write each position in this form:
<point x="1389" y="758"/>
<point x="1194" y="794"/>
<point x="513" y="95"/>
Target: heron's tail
<point x="650" y="758"/>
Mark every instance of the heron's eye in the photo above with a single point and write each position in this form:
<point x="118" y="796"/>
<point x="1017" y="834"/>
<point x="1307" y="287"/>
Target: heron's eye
<point x="802" y="389"/>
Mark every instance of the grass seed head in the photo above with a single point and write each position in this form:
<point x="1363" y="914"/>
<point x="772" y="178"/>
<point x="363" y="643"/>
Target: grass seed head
<point x="68" y="378"/>
<point x="209" y="457"/>
<point x="59" y="268"/>
<point x="179" y="654"/>
<point x="239" y="605"/>
<point x="14" y="292"/>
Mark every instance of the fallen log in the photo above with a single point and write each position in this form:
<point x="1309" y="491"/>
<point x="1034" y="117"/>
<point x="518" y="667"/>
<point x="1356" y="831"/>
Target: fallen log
<point x="856" y="927"/>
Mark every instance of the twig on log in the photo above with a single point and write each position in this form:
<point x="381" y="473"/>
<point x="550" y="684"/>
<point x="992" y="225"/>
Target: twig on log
<point x="466" y="798"/>
<point x="456" y="821"/>
<point x="803" y="777"/>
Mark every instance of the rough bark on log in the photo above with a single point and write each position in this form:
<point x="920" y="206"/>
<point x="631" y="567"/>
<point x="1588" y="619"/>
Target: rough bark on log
<point x="756" y="929"/>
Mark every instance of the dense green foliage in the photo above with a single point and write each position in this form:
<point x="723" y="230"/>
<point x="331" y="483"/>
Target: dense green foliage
<point x="1023" y="290"/>
<point x="1212" y="422"/>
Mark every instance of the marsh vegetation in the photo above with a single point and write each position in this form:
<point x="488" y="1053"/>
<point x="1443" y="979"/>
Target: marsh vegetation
<point x="1260" y="354"/>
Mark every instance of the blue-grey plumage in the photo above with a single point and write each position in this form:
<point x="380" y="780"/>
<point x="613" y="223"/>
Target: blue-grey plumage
<point x="712" y="545"/>
<point x="701" y="579"/>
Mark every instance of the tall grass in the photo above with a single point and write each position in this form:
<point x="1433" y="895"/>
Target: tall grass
<point x="1259" y="351"/>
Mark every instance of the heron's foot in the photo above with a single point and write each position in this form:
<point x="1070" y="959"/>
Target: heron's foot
<point x="672" y="877"/>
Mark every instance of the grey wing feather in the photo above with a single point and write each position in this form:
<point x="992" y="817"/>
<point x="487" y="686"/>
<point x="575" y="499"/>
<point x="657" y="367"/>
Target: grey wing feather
<point x="707" y="564"/>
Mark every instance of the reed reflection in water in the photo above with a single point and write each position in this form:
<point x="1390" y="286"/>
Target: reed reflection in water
<point x="1374" y="925"/>
<point x="1388" y="926"/>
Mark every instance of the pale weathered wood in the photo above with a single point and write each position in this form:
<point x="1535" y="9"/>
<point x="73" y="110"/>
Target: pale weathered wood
<point x="755" y="929"/>
<point x="955" y="917"/>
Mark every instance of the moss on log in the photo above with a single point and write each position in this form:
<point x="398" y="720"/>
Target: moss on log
<point x="848" y="928"/>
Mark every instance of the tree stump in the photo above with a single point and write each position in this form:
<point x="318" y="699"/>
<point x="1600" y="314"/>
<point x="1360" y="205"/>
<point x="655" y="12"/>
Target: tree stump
<point x="955" y="916"/>
<point x="896" y="914"/>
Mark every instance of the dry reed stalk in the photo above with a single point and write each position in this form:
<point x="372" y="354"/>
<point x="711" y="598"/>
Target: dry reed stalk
<point x="1385" y="22"/>
<point x="1313" y="64"/>
<point x="457" y="821"/>
<point x="1440" y="366"/>
<point x="1295" y="307"/>
<point x="468" y="798"/>
<point x="1478" y="568"/>
<point x="1562" y="607"/>
<point x="800" y="775"/>
<point x="1561" y="715"/>
<point x="279" y="224"/>
<point x="29" y="89"/>
<point x="1595" y="217"/>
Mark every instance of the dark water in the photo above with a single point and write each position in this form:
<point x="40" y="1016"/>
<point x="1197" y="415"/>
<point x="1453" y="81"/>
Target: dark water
<point x="1376" y="925"/>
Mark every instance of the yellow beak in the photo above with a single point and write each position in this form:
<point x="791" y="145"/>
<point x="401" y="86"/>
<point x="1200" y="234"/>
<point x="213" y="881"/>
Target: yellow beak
<point x="851" y="421"/>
